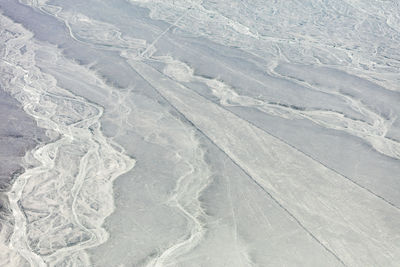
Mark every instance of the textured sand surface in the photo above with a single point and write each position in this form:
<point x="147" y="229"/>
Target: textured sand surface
<point x="201" y="133"/>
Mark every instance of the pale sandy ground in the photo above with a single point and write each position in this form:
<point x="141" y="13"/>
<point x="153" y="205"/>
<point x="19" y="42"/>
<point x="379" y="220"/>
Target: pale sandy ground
<point x="18" y="134"/>
<point x="202" y="133"/>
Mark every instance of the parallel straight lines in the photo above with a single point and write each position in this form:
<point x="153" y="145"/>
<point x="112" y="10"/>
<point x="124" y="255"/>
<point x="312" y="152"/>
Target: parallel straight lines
<point x="247" y="174"/>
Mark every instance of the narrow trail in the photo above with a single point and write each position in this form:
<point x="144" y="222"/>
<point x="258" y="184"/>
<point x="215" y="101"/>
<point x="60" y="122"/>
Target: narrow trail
<point x="189" y="186"/>
<point x="83" y="159"/>
<point x="373" y="132"/>
<point x="197" y="111"/>
<point x="249" y="176"/>
<point x="227" y="97"/>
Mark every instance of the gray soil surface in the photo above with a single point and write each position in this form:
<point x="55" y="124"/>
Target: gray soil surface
<point x="18" y="134"/>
